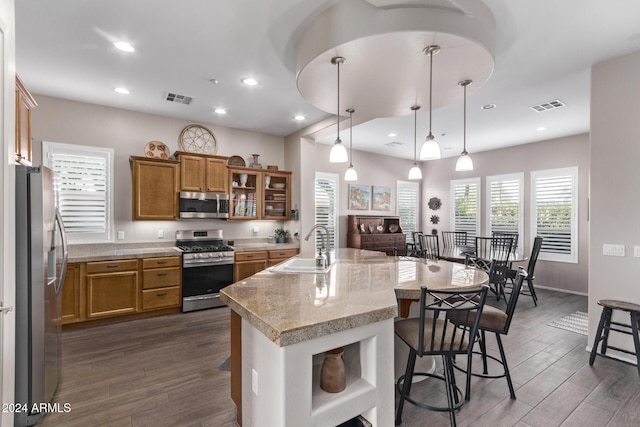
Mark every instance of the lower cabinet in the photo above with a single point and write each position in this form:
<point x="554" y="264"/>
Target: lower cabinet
<point x="248" y="263"/>
<point x="112" y="288"/>
<point x="72" y="296"/>
<point x="161" y="283"/>
<point x="276" y="256"/>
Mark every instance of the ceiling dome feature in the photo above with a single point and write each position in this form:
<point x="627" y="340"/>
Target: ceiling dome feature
<point x="384" y="41"/>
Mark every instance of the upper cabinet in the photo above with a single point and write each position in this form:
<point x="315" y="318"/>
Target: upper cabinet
<point x="155" y="188"/>
<point x="203" y="173"/>
<point x="259" y="194"/>
<point x="24" y="104"/>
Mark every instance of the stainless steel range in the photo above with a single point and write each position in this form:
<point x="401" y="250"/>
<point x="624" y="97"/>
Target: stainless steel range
<point x="207" y="267"/>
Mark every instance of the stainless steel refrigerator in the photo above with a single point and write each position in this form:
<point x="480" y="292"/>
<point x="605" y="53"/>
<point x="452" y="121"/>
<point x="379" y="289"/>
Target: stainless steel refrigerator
<point x="41" y="255"/>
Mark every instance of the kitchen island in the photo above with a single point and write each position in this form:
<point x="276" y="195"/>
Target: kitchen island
<point x="282" y="323"/>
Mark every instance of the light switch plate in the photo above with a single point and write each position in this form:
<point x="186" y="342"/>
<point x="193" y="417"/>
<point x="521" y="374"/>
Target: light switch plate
<point x="120" y="235"/>
<point x="636" y="251"/>
<point x="613" y="250"/>
<point x="160" y="234"/>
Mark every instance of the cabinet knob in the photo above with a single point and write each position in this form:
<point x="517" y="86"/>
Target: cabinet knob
<point x="162" y="274"/>
<point x="161" y="294"/>
<point x="113" y="266"/>
<point x="161" y="262"/>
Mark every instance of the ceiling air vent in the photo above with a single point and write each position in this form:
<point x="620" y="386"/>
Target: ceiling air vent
<point x="393" y="144"/>
<point x="180" y="99"/>
<point x="546" y="106"/>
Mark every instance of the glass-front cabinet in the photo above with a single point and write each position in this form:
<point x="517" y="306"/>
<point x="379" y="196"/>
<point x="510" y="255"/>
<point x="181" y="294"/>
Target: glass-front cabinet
<point x="259" y="194"/>
<point x="245" y="193"/>
<point x="277" y="195"/>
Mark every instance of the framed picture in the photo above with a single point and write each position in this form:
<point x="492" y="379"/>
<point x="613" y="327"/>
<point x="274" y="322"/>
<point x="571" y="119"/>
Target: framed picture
<point x="381" y="198"/>
<point x="359" y="197"/>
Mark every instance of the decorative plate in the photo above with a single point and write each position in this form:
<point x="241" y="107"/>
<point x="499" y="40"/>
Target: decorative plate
<point x="434" y="203"/>
<point x="198" y="139"/>
<point x="236" y="161"/>
<point x="156" y="150"/>
<point x="393" y="228"/>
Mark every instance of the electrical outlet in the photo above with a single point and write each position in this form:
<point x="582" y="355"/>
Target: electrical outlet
<point x="120" y="235"/>
<point x="254" y="381"/>
<point x="255" y="230"/>
<point x="636" y="251"/>
<point x="160" y="234"/>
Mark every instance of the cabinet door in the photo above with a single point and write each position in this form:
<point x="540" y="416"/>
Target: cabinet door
<point x="71" y="297"/>
<point x="245" y="194"/>
<point x="277" y="195"/>
<point x="24" y="104"/>
<point x="192" y="173"/>
<point x="244" y="269"/>
<point x="112" y="294"/>
<point x="217" y="176"/>
<point x="155" y="190"/>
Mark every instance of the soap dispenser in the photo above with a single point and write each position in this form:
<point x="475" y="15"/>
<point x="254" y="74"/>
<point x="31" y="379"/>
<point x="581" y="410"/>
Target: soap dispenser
<point x="321" y="260"/>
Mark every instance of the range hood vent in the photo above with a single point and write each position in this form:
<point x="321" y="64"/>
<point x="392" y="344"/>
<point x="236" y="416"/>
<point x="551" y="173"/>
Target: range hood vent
<point x="546" y="106"/>
<point x="180" y="99"/>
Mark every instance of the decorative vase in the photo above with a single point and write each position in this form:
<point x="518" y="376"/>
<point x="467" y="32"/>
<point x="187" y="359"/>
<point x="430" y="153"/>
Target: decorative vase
<point x="267" y="181"/>
<point x="243" y="179"/>
<point x="255" y="163"/>
<point x="281" y="239"/>
<point x="332" y="374"/>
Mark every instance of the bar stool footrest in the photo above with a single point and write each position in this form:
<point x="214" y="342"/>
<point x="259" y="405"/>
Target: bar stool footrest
<point x="459" y="394"/>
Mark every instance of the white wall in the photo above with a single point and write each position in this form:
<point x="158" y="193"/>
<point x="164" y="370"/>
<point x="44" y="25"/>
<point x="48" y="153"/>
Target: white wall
<point x="551" y="154"/>
<point x="615" y="203"/>
<point x="127" y="132"/>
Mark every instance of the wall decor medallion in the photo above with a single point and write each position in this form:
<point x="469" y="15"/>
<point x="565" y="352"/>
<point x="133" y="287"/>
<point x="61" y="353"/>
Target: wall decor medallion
<point x="435" y="219"/>
<point x="198" y="139"/>
<point x="434" y="203"/>
<point x="156" y="150"/>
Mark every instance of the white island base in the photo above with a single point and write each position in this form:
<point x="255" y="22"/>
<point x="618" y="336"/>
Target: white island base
<point x="281" y="385"/>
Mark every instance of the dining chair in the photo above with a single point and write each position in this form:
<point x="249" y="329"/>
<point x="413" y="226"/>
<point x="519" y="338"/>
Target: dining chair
<point x="494" y="320"/>
<point x="416" y="249"/>
<point x="430" y="246"/>
<point x="533" y="259"/>
<point x="514" y="235"/>
<point x="452" y="239"/>
<point x="498" y="250"/>
<point x="434" y="334"/>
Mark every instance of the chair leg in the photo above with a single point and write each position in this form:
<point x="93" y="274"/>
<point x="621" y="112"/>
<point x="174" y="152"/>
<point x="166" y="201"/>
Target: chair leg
<point x="506" y="368"/>
<point x="483" y="352"/>
<point x="406" y="385"/>
<point x="607" y="329"/>
<point x="598" y="338"/>
<point x="636" y="338"/>
<point x="451" y="392"/>
<point x="532" y="291"/>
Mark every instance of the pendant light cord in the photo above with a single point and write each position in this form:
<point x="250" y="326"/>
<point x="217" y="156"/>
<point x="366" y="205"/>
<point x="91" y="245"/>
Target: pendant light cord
<point x="430" y="87"/>
<point x="338" y="110"/>
<point x="464" y="126"/>
<point x="351" y="110"/>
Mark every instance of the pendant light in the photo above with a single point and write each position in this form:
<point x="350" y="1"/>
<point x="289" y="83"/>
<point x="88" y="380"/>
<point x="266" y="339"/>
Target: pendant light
<point x="351" y="174"/>
<point x="464" y="162"/>
<point x="415" y="172"/>
<point x="338" y="153"/>
<point x="430" y="149"/>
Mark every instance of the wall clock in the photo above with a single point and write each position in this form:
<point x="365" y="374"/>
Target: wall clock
<point x="198" y="139"/>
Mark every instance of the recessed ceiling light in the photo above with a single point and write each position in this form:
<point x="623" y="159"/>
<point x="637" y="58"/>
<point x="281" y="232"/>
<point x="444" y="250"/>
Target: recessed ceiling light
<point x="392" y="135"/>
<point x="124" y="46"/>
<point x="250" y="81"/>
<point x="540" y="129"/>
<point x="220" y="111"/>
<point x="488" y="106"/>
<point x="122" y="90"/>
<point x="299" y="117"/>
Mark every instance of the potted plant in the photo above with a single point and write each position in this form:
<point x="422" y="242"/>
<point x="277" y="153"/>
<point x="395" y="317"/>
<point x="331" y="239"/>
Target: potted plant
<point x="281" y="234"/>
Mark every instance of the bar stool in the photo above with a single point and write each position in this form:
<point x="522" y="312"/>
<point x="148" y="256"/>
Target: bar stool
<point x="605" y="326"/>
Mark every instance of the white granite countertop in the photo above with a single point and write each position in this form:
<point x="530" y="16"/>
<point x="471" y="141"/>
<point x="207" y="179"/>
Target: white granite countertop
<point x="359" y="288"/>
<point x="115" y="251"/>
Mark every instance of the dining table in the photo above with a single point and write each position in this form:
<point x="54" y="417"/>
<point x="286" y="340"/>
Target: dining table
<point x="458" y="254"/>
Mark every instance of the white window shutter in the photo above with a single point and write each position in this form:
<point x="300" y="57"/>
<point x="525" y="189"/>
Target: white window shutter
<point x="407" y="206"/>
<point x="326" y="205"/>
<point x="465" y="199"/>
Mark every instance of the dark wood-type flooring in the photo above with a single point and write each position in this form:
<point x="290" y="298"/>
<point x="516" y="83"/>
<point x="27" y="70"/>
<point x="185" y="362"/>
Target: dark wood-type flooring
<point x="163" y="371"/>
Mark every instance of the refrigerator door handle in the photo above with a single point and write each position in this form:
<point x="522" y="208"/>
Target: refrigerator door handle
<point x="65" y="252"/>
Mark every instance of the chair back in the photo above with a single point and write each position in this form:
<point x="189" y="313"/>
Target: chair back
<point x="496" y="248"/>
<point x="537" y="244"/>
<point x="511" y="234"/>
<point x="437" y="334"/>
<point x="513" y="298"/>
<point x="430" y="246"/>
<point x="452" y="239"/>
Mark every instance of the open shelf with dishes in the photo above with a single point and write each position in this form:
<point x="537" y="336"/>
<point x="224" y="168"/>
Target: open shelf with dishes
<point x="245" y="193"/>
<point x="277" y="195"/>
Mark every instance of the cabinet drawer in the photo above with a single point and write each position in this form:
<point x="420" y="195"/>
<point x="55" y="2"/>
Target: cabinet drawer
<point x="111" y="266"/>
<point x="282" y="253"/>
<point x="250" y="256"/>
<point x="161" y="277"/>
<point x="173" y="261"/>
<point x="161" y="298"/>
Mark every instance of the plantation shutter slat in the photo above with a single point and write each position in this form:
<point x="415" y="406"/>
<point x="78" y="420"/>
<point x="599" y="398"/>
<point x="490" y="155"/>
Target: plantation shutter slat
<point x="407" y="201"/>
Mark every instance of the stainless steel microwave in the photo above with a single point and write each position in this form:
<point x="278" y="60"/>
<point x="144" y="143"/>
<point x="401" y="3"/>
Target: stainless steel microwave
<point x="203" y="205"/>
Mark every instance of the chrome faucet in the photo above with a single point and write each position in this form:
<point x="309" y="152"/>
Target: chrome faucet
<point x="326" y="240"/>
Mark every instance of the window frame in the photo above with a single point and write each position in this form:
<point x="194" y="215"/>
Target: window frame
<point x="408" y="184"/>
<point x="50" y="148"/>
<point x="505" y="178"/>
<point x="572" y="172"/>
<point x="452" y="186"/>
<point x="335" y="179"/>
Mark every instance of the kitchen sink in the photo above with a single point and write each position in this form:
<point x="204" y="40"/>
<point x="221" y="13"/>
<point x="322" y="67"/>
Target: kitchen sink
<point x="299" y="265"/>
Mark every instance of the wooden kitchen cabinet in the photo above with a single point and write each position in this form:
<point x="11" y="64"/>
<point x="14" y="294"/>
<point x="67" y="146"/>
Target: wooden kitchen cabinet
<point x="155" y="189"/>
<point x="161" y="283"/>
<point x="252" y="198"/>
<point x="248" y="263"/>
<point x="276" y="256"/>
<point x="112" y="288"/>
<point x="276" y="203"/>
<point x="73" y="307"/>
<point x="375" y="233"/>
<point x="203" y="173"/>
<point x="24" y="104"/>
